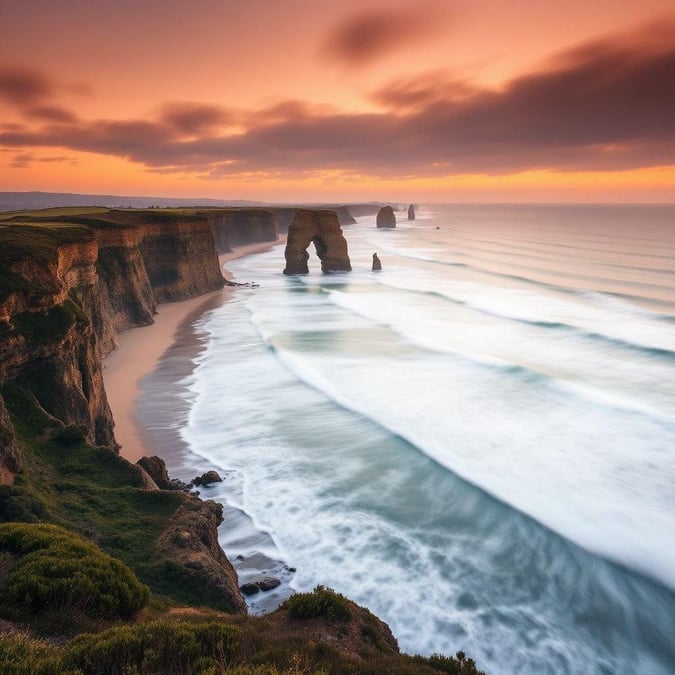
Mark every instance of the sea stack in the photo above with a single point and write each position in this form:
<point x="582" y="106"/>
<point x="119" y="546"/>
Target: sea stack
<point x="323" y="230"/>
<point x="411" y="212"/>
<point x="386" y="217"/>
<point x="377" y="264"/>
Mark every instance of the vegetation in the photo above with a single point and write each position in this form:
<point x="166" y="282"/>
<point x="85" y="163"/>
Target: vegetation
<point x="321" y="603"/>
<point x="78" y="531"/>
<point x="52" y="570"/>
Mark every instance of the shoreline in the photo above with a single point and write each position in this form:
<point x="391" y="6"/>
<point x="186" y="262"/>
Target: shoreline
<point x="140" y="350"/>
<point x="150" y="426"/>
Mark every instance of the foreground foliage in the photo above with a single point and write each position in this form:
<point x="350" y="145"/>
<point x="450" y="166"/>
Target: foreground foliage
<point x="53" y="570"/>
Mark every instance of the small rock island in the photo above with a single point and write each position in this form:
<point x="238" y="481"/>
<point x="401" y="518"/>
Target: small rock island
<point x="386" y="217"/>
<point x="411" y="212"/>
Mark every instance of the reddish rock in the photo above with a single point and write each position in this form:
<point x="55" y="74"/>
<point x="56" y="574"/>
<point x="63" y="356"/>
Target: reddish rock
<point x="323" y="230"/>
<point x="386" y="217"/>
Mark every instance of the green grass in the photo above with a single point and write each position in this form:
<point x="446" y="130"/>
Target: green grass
<point x="91" y="491"/>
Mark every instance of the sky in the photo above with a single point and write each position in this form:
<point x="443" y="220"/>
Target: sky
<point x="350" y="100"/>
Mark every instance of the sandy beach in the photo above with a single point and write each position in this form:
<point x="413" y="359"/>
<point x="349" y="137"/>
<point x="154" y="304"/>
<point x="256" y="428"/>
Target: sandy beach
<point x="140" y="350"/>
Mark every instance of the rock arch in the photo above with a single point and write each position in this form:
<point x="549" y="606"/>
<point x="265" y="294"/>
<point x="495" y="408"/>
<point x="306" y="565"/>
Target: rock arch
<point x="321" y="228"/>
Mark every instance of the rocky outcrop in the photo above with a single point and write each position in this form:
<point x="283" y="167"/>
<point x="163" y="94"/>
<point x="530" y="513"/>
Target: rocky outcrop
<point x="180" y="259"/>
<point x="10" y="453"/>
<point x="386" y="217"/>
<point x="411" y="212"/>
<point x="50" y="343"/>
<point x="377" y="264"/>
<point x="191" y="541"/>
<point x="155" y="467"/>
<point x="207" y="479"/>
<point x="323" y="230"/>
<point x="285" y="214"/>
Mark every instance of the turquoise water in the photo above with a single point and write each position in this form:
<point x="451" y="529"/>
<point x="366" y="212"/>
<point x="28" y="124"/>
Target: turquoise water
<point x="477" y="443"/>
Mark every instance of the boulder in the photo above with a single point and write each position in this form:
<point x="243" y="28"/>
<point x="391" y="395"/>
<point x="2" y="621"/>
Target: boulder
<point x="264" y="584"/>
<point x="156" y="469"/>
<point x="207" y="478"/>
<point x="386" y="217"/>
<point x="321" y="228"/>
<point x="411" y="212"/>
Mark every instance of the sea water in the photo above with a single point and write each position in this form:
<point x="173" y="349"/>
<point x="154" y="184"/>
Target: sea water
<point x="477" y="443"/>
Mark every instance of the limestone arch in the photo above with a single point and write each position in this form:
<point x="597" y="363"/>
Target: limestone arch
<point x="321" y="228"/>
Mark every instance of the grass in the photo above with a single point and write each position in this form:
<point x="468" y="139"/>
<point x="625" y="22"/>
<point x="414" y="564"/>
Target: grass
<point x="91" y="491"/>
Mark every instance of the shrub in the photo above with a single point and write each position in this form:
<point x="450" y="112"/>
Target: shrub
<point x="167" y="647"/>
<point x="321" y="602"/>
<point x="57" y="570"/>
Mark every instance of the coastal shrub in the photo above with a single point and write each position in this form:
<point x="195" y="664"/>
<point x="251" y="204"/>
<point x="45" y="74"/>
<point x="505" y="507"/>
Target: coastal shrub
<point x="21" y="655"/>
<point x="460" y="664"/>
<point x="167" y="647"/>
<point x="321" y="602"/>
<point x="72" y="434"/>
<point x="16" y="506"/>
<point x="58" y="571"/>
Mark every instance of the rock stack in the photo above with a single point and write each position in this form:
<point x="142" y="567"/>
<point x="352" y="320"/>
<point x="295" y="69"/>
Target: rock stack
<point x="386" y="217"/>
<point x="323" y="230"/>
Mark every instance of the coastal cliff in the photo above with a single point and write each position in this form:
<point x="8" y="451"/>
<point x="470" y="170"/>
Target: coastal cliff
<point x="68" y="285"/>
<point x="237" y="227"/>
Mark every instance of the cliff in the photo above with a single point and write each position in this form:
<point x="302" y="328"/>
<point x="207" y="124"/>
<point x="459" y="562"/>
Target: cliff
<point x="73" y="279"/>
<point x="237" y="227"/>
<point x="68" y="284"/>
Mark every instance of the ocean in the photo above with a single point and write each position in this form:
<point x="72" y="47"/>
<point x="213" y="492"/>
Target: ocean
<point x="477" y="443"/>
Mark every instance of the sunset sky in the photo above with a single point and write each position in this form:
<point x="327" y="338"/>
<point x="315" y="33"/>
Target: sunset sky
<point x="289" y="100"/>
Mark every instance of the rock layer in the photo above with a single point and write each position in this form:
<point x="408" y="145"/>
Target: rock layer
<point x="321" y="228"/>
<point x="386" y="217"/>
<point x="191" y="541"/>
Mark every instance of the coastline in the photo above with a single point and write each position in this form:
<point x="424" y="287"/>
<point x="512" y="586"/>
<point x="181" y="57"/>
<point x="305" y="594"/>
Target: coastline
<point x="166" y="355"/>
<point x="140" y="349"/>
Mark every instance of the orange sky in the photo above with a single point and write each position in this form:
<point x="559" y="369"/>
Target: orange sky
<point x="319" y="100"/>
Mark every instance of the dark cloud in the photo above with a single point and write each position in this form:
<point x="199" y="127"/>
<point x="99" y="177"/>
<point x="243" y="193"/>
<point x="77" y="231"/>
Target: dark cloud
<point x="363" y="37"/>
<point x="24" y="86"/>
<point x="50" y="113"/>
<point x="194" y="118"/>
<point x="607" y="105"/>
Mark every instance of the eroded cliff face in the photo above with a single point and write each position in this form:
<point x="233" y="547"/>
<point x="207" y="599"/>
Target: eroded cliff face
<point x="191" y="540"/>
<point x="50" y="344"/>
<point x="72" y="283"/>
<point x="237" y="227"/>
<point x="180" y="259"/>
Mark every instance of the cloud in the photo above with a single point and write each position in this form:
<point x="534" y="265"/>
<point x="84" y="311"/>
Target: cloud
<point x="604" y="105"/>
<point x="24" y="86"/>
<point x="194" y="118"/>
<point x="50" y="113"/>
<point x="370" y="34"/>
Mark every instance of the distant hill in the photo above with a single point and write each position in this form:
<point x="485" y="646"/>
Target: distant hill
<point x="16" y="201"/>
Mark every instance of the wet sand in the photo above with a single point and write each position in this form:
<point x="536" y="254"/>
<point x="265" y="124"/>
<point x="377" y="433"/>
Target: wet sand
<point x="140" y="350"/>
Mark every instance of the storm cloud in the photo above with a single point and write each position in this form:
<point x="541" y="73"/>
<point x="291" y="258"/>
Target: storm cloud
<point x="605" y="105"/>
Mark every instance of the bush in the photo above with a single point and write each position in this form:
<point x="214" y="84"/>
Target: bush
<point x="57" y="570"/>
<point x="21" y="655"/>
<point x="167" y="647"/>
<point x="321" y="602"/>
